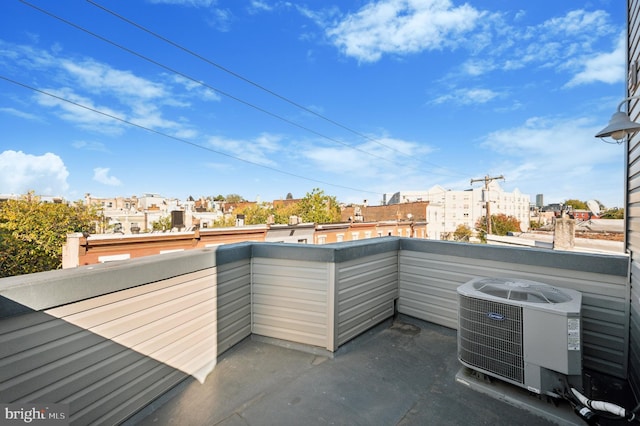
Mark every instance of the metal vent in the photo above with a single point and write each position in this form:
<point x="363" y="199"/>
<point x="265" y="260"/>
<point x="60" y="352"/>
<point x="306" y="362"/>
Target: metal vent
<point x="490" y="337"/>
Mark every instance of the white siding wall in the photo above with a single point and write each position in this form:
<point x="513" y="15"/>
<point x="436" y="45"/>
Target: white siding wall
<point x="428" y="283"/>
<point x="633" y="197"/>
<point x="366" y="290"/>
<point x="290" y="300"/>
<point x="106" y="355"/>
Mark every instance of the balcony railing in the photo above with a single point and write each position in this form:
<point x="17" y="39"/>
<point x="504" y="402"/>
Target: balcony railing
<point x="109" y="339"/>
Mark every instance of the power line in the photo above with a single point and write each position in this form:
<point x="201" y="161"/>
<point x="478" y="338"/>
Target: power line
<point x="188" y="77"/>
<point x="221" y="92"/>
<point x="175" y="138"/>
<point x="263" y="88"/>
<point x="240" y="77"/>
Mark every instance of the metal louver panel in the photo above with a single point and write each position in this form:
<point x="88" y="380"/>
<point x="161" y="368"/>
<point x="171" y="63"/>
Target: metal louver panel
<point x="490" y="337"/>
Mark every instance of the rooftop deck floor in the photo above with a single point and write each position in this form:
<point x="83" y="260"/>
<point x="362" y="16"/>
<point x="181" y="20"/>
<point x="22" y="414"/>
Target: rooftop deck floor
<point x="401" y="372"/>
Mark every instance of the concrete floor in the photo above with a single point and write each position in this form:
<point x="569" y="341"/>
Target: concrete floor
<point x="401" y="372"/>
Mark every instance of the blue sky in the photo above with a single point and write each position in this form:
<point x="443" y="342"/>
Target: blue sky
<point x="266" y="97"/>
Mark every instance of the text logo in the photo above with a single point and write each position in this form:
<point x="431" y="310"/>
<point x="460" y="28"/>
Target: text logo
<point x="495" y="316"/>
<point x="41" y="414"/>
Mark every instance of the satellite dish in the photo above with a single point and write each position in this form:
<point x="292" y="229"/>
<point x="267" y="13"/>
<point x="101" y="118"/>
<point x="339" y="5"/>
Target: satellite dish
<point x="594" y="207"/>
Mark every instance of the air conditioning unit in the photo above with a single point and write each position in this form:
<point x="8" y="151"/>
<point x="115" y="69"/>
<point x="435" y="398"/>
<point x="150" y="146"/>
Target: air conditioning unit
<point x="522" y="332"/>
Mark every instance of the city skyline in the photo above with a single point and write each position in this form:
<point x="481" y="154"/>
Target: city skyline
<point x="265" y="98"/>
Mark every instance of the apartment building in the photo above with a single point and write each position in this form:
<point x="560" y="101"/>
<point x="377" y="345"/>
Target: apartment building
<point x="447" y="209"/>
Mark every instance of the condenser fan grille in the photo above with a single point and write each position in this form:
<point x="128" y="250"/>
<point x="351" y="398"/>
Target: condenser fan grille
<point x="490" y="337"/>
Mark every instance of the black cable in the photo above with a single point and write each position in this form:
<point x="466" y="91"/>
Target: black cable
<point x="186" y="76"/>
<point x="175" y="138"/>
<point x="257" y="85"/>
<point x="240" y="77"/>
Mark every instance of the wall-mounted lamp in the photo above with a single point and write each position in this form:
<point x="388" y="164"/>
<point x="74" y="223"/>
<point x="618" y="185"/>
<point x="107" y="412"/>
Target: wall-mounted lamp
<point x="620" y="125"/>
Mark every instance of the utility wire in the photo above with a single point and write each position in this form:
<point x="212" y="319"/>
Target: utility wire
<point x="259" y="86"/>
<point x="245" y="79"/>
<point x="175" y="138"/>
<point x="188" y="77"/>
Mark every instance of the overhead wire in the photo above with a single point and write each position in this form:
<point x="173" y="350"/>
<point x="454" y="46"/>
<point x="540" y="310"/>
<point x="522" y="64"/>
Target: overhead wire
<point x="241" y="77"/>
<point x="260" y="86"/>
<point x="199" y="82"/>
<point x="178" y="139"/>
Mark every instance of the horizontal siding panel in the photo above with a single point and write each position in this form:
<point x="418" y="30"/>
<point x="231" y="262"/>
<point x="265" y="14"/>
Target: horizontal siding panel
<point x="358" y="325"/>
<point x="370" y="304"/>
<point x="360" y="294"/>
<point x="634" y="331"/>
<point x="234" y="303"/>
<point x="289" y="300"/>
<point x="290" y="335"/>
<point x="317" y="304"/>
<point x="441" y="315"/>
<point x="293" y="322"/>
<point x="366" y="289"/>
<point x="273" y="291"/>
<point x="299" y="270"/>
<point x="92" y="354"/>
<point x="428" y="290"/>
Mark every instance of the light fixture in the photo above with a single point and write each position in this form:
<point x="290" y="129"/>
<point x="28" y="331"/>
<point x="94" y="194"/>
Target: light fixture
<point x="620" y="125"/>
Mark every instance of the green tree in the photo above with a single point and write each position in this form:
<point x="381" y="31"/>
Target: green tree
<point x="613" y="213"/>
<point x="576" y="204"/>
<point x="462" y="233"/>
<point x="255" y="214"/>
<point x="161" y="224"/>
<point x="32" y="233"/>
<point x="501" y="224"/>
<point x="234" y="198"/>
<point x="319" y="208"/>
<point x="282" y="213"/>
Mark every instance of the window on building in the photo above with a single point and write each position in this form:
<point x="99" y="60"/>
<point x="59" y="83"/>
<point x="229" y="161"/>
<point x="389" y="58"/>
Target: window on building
<point x="355" y="236"/>
<point x="340" y="238"/>
<point x="322" y="239"/>
<point x="367" y="234"/>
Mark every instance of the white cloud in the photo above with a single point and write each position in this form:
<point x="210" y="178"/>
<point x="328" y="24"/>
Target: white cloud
<point x="20" y="114"/>
<point x="190" y="3"/>
<point x="402" y="27"/>
<point x="603" y="67"/>
<point x="259" y="6"/>
<point x="469" y="96"/>
<point x="101" y="78"/>
<point x="255" y="150"/>
<point x="89" y="146"/>
<point x="560" y="157"/>
<point x="380" y="167"/>
<point x="93" y="85"/>
<point x="101" y="175"/>
<point x="20" y="172"/>
<point x="85" y="115"/>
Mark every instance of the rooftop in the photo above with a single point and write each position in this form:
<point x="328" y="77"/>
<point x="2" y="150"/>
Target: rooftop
<point x="264" y="333"/>
<point x="403" y="372"/>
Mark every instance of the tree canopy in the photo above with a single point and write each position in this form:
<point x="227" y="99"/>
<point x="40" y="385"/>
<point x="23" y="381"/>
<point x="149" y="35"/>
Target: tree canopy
<point x="234" y="198"/>
<point x="316" y="207"/>
<point x="576" y="204"/>
<point x="501" y="224"/>
<point x="462" y="233"/>
<point x="32" y="233"/>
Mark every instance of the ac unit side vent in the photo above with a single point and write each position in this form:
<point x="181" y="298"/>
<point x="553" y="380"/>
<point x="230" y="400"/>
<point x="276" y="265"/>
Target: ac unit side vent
<point x="490" y="337"/>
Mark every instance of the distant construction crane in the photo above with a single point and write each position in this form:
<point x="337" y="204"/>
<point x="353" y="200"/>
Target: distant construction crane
<point x="487" y="180"/>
